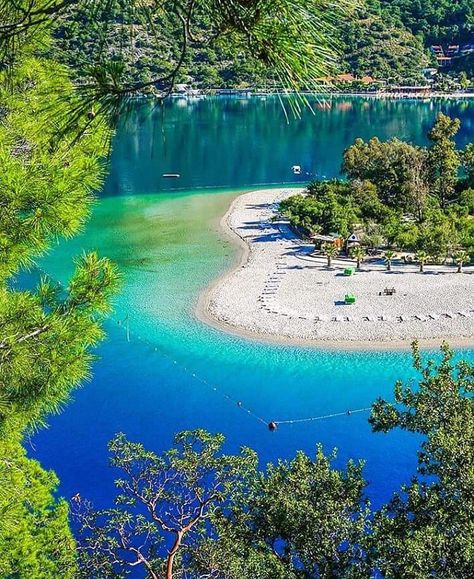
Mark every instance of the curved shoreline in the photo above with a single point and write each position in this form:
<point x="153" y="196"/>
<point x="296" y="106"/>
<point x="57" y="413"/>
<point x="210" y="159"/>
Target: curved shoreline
<point x="242" y="259"/>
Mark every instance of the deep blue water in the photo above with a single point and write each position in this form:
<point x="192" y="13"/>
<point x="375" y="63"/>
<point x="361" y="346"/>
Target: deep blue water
<point x="168" y="248"/>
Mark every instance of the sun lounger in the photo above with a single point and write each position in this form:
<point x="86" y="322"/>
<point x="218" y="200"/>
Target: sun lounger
<point x="319" y="318"/>
<point x="433" y="316"/>
<point x="464" y="314"/>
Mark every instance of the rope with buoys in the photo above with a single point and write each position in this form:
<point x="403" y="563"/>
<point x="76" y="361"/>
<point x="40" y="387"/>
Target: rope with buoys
<point x="275" y="423"/>
<point x="272" y="425"/>
<point x="214" y="387"/>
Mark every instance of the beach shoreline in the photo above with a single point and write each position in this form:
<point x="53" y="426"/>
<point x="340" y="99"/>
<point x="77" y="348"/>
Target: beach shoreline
<point x="218" y="304"/>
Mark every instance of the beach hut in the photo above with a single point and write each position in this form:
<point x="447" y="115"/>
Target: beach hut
<point x="352" y="241"/>
<point x="319" y="240"/>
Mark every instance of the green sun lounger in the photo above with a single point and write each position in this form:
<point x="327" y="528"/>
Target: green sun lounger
<point x="349" y="271"/>
<point x="350" y="299"/>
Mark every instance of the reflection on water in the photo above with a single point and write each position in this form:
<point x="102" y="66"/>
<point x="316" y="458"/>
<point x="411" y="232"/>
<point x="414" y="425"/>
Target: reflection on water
<point x="240" y="142"/>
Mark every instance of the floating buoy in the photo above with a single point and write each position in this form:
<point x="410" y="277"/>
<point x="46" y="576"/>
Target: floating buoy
<point x="272" y="426"/>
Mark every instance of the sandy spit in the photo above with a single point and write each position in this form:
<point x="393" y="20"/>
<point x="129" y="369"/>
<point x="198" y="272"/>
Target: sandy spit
<point x="277" y="292"/>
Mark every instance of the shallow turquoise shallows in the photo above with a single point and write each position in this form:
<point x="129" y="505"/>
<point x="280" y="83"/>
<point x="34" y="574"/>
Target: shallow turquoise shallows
<point x="159" y="377"/>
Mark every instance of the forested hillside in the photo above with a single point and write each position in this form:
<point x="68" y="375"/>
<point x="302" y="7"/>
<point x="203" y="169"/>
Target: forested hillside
<point x="386" y="39"/>
<point x="435" y="21"/>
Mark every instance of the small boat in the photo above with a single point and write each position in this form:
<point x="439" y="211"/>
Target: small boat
<point x="296" y="169"/>
<point x="171" y="175"/>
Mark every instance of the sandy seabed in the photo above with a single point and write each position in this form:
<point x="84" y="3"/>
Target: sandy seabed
<point x="280" y="292"/>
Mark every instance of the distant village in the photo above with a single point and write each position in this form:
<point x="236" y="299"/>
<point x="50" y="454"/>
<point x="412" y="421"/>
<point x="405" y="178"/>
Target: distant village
<point x="443" y="77"/>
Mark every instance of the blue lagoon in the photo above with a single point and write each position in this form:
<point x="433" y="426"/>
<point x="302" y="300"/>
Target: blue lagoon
<point x="161" y="370"/>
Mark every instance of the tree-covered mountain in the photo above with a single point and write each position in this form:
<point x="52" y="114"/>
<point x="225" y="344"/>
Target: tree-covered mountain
<point x="377" y="44"/>
<point x="385" y="39"/>
<point x="435" y="21"/>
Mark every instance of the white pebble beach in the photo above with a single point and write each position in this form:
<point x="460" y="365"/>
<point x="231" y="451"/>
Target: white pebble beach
<point x="280" y="292"/>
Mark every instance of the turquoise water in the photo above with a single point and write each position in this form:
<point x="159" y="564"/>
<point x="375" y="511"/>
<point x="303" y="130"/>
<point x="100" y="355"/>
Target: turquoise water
<point x="168" y="247"/>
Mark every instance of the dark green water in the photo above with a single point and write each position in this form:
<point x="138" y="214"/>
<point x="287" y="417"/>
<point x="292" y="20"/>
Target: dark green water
<point x="168" y="248"/>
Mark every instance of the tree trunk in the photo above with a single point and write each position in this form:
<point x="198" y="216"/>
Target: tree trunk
<point x="172" y="554"/>
<point x="329" y="260"/>
<point x="358" y="263"/>
<point x="422" y="267"/>
<point x="389" y="265"/>
<point x="459" y="267"/>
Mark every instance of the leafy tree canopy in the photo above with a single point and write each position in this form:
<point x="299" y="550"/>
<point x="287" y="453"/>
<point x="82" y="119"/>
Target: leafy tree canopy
<point x="299" y="518"/>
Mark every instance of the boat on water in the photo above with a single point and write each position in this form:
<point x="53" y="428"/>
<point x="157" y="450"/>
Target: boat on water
<point x="171" y="175"/>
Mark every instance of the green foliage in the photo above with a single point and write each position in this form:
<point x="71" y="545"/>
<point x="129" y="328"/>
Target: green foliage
<point x="35" y="540"/>
<point x="444" y="159"/>
<point x="413" y="198"/>
<point x="53" y="137"/>
<point x="327" y="208"/>
<point x="436" y="21"/>
<point x="394" y="167"/>
<point x="219" y="514"/>
<point x="468" y="163"/>
<point x="378" y="45"/>
<point x="47" y="188"/>
<point x="422" y="257"/>
<point x="47" y="333"/>
<point x="425" y="530"/>
<point x="359" y="254"/>
<point x="330" y="250"/>
<point x="299" y="518"/>
<point x="167" y="499"/>
<point x="120" y="48"/>
<point x="461" y="257"/>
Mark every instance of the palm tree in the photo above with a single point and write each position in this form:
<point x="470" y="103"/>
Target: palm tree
<point x="461" y="258"/>
<point x="389" y="255"/>
<point x="422" y="258"/>
<point x="330" y="251"/>
<point x="358" y="253"/>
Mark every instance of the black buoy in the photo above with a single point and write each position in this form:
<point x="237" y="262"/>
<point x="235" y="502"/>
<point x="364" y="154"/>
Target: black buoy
<point x="272" y="426"/>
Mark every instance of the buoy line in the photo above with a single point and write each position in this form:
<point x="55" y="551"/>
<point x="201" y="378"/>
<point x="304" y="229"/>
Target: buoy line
<point x="272" y="425"/>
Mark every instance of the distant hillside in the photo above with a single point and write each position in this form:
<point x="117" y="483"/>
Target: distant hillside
<point x="435" y="21"/>
<point x="386" y="39"/>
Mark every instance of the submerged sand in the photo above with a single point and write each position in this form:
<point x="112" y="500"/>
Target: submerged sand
<point x="280" y="291"/>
